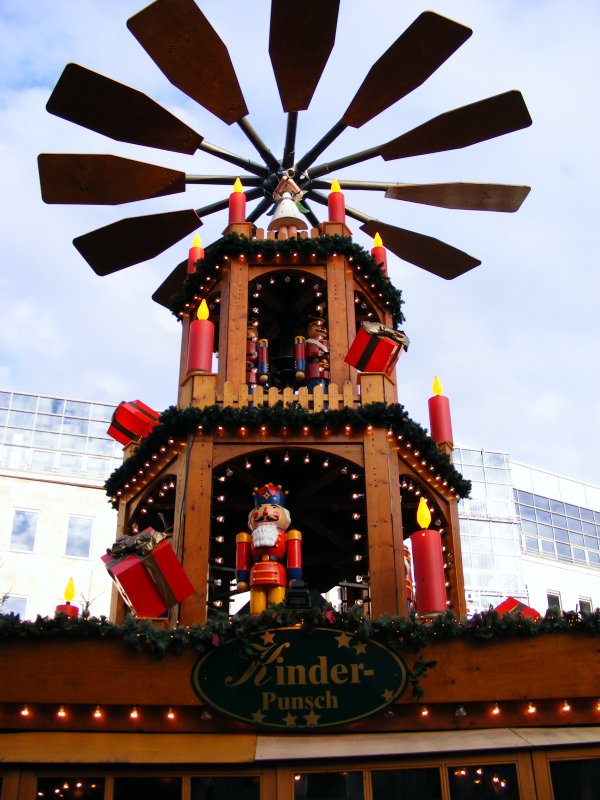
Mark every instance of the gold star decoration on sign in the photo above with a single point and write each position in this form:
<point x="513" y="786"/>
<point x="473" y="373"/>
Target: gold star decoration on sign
<point x="312" y="719"/>
<point x="268" y="637"/>
<point x="360" y="647"/>
<point x="258" y="717"/>
<point x="388" y="696"/>
<point x="290" y="720"/>
<point x="343" y="640"/>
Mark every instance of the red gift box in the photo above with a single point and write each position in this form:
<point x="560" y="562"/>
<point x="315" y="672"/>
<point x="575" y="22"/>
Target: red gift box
<point x="149" y="582"/>
<point x="376" y="348"/>
<point x="511" y="605"/>
<point x="132" y="421"/>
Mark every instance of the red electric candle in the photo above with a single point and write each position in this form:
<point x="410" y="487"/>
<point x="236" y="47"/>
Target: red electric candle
<point x="336" y="204"/>
<point x="202" y="335"/>
<point x="428" y="565"/>
<point x="237" y="203"/>
<point x="195" y="254"/>
<point x="379" y="253"/>
<point x="66" y="607"/>
<point x="439" y="415"/>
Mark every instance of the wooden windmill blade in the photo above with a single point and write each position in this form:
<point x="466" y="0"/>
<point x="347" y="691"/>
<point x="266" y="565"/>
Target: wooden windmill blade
<point x="187" y="49"/>
<point x="118" y="111"/>
<point x="181" y="41"/>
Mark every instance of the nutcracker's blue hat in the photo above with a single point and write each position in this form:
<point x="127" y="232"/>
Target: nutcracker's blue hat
<point x="269" y="494"/>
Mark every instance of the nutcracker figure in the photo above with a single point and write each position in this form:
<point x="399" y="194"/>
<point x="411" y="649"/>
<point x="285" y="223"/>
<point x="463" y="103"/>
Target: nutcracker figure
<point x="251" y="357"/>
<point x="257" y="359"/>
<point x="261" y="554"/>
<point x="312" y="355"/>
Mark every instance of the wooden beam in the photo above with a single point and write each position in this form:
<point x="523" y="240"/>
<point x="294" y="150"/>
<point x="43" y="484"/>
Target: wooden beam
<point x="384" y="525"/>
<point x="232" y="330"/>
<point x="196" y="483"/>
<point x="132" y="748"/>
<point x="337" y="318"/>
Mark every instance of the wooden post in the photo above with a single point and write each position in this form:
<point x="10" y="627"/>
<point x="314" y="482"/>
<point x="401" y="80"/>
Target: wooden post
<point x="384" y="525"/>
<point x="198" y="389"/>
<point x="339" y="317"/>
<point x="453" y="558"/>
<point x="334" y="229"/>
<point x="377" y="387"/>
<point x="193" y="509"/>
<point x="118" y="609"/>
<point x="234" y="324"/>
<point x="185" y="336"/>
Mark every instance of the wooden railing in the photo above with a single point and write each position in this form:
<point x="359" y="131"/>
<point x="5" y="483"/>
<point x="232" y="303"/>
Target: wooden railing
<point x="321" y="397"/>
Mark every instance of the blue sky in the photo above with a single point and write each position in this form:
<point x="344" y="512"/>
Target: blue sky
<point x="515" y="341"/>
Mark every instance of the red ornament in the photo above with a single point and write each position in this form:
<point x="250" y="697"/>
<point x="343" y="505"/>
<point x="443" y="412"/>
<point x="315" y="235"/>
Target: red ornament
<point x="376" y="348"/>
<point x="196" y="253"/>
<point x="131" y="421"/>
<point x="66" y="608"/>
<point x="237" y="203"/>
<point x="379" y="253"/>
<point x="440" y="421"/>
<point x="202" y="336"/>
<point x="428" y="565"/>
<point x="150" y="582"/>
<point x="336" y="204"/>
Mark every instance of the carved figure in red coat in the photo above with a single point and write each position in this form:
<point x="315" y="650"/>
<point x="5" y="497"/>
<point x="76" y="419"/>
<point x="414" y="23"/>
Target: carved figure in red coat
<point x="263" y="555"/>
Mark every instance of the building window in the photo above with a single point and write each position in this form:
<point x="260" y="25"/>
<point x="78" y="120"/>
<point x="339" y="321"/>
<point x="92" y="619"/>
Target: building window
<point x="83" y="787"/>
<point x="577" y="778"/>
<point x="23" y="530"/>
<point x="553" y="600"/>
<point x="339" y="785"/>
<point x="79" y="537"/>
<point x="240" y="787"/>
<point x="585" y="605"/>
<point x="423" y="783"/>
<point x="160" y="788"/>
<point x="13" y="604"/>
<point x="485" y="780"/>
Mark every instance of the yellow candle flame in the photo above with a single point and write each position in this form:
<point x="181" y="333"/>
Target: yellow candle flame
<point x="197" y="241"/>
<point x="335" y="186"/>
<point x="377" y="241"/>
<point x="69" y="590"/>
<point x="203" y="310"/>
<point x="437" y="386"/>
<point x="423" y="514"/>
<point x="237" y="186"/>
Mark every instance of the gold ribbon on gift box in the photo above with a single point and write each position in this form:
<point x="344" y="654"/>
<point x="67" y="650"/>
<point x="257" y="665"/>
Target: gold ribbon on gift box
<point x="377" y="329"/>
<point x="142" y="545"/>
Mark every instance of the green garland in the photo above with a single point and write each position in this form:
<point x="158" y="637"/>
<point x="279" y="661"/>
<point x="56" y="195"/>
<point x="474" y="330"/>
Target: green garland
<point x="178" y="424"/>
<point x="233" y="245"/>
<point x="400" y="634"/>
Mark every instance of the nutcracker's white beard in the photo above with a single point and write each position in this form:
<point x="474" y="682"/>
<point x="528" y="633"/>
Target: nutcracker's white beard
<point x="265" y="535"/>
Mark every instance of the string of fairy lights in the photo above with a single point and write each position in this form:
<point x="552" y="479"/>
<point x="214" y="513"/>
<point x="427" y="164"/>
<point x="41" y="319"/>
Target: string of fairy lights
<point x="444" y="714"/>
<point x="300" y="252"/>
<point x="159" y="459"/>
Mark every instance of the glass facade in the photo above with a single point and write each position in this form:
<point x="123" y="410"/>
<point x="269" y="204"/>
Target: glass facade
<point x="558" y="530"/>
<point x="489" y="530"/>
<point x="501" y="523"/>
<point x="57" y="435"/>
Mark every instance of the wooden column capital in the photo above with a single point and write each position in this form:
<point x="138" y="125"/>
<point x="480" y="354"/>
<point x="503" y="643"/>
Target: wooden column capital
<point x="335" y="229"/>
<point x="198" y="389"/>
<point x="377" y="387"/>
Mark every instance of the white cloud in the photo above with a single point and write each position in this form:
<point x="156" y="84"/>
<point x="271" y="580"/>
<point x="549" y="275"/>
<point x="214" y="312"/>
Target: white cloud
<point x="516" y="341"/>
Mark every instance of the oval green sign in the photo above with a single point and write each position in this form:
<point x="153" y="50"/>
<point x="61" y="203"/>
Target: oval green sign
<point x="296" y="680"/>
